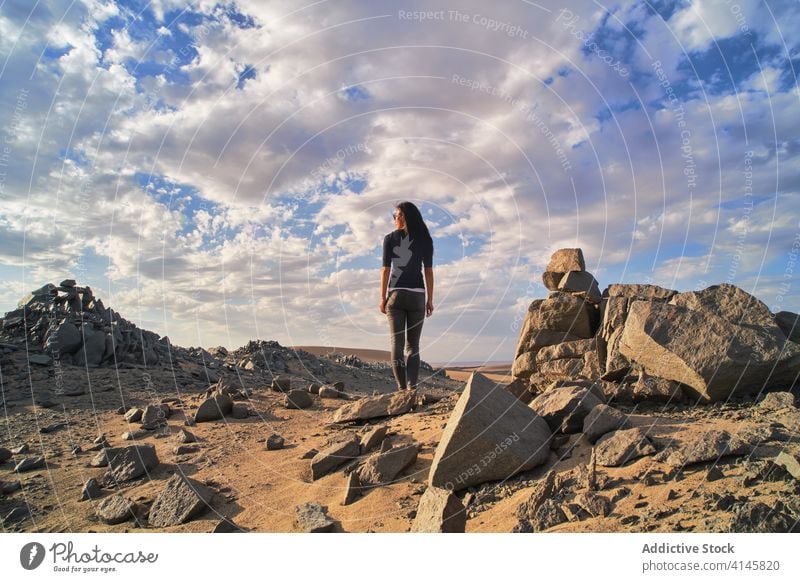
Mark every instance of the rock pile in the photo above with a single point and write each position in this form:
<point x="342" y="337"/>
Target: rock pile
<point x="643" y="342"/>
<point x="72" y="326"/>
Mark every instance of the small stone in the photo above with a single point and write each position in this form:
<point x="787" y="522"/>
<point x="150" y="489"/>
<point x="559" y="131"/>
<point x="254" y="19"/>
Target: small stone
<point x="275" y="442"/>
<point x="185" y="449"/>
<point x="312" y="518"/>
<point x="134" y="415"/>
<point x="240" y="411"/>
<point x="91" y="490"/>
<point x="298" y="399"/>
<point x="714" y="474"/>
<point x="116" y="509"/>
<point x="183" y="436"/>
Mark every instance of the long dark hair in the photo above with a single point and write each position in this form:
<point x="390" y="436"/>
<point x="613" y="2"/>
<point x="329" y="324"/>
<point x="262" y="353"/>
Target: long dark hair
<point x="417" y="229"/>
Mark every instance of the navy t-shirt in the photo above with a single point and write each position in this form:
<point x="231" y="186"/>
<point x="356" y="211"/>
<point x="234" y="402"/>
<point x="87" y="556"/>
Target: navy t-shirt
<point x="406" y="256"/>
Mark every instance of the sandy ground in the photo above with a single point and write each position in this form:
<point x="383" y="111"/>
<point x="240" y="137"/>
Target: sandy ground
<point x="258" y="489"/>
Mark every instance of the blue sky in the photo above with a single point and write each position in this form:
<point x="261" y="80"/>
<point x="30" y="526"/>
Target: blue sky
<point x="222" y="171"/>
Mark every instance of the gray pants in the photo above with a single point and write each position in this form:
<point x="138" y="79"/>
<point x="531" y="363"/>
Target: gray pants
<point x="406" y="312"/>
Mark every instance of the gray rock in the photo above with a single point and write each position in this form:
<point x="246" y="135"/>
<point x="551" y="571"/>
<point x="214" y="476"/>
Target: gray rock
<point x="240" y="411"/>
<point x="540" y="492"/>
<point x="728" y="302"/>
<point x="353" y="489"/>
<point x="128" y="463"/>
<point x="93" y="348"/>
<point x="329" y="392"/>
<point x="328" y="459"/>
<point x="40" y="359"/>
<point x="373" y="438"/>
<point x="490" y="435"/>
<point x="11" y="487"/>
<point x="5" y="455"/>
<point x="603" y="419"/>
<point x="617" y="448"/>
<point x="639" y="291"/>
<point x="183" y="436"/>
<point x="155" y="416"/>
<point x="29" y="464"/>
<point x="214" y="408"/>
<point x="382" y="468"/>
<point x="711" y="445"/>
<point x="91" y="490"/>
<point x="298" y="399"/>
<point x="594" y="504"/>
<point x="100" y="459"/>
<point x="116" y="509"/>
<point x="135" y="435"/>
<point x="312" y="518"/>
<point x="376" y="406"/>
<point x="180" y="501"/>
<point x="227" y="526"/>
<point x="548" y="515"/>
<point x="281" y="384"/>
<point x="713" y="357"/>
<point x="564" y="409"/>
<point x="551" y="279"/>
<point x="439" y="511"/>
<point x="185" y="449"/>
<point x="134" y="415"/>
<point x="21" y="449"/>
<point x="274" y="442"/>
<point x="64" y="339"/>
<point x="19" y="513"/>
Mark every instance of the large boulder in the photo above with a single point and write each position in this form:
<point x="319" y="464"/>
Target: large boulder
<point x="490" y="435"/>
<point x="214" y="408"/>
<point x="93" y="349"/>
<point x="712" y="356"/>
<point x="376" y="406"/>
<point x="65" y="338"/>
<point x="729" y="302"/>
<point x="328" y="459"/>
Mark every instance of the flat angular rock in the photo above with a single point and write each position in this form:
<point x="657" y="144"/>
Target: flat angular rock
<point x="91" y="490"/>
<point x="240" y="411"/>
<point x="214" y="408"/>
<point x="490" y="435"/>
<point x="564" y="409"/>
<point x="40" y="359"/>
<point x="603" y="419"/>
<point x="756" y="517"/>
<point x="373" y="438"/>
<point x="580" y="282"/>
<point x="329" y="392"/>
<point x="564" y="260"/>
<point x="298" y="399"/>
<point x="439" y="511"/>
<point x="328" y="459"/>
<point x="135" y="435"/>
<point x="728" y="302"/>
<point x="116" y="509"/>
<point x="183" y="436"/>
<point x="5" y="455"/>
<point x="619" y="447"/>
<point x="353" y="489"/>
<point x="551" y="279"/>
<point x="128" y="463"/>
<point x="712" y="357"/>
<point x="134" y="415"/>
<point x="382" y="468"/>
<point x="312" y="518"/>
<point x="281" y="384"/>
<point x="155" y="416"/>
<point x="790" y="462"/>
<point x="639" y="291"/>
<point x="29" y="464"/>
<point x="181" y="500"/>
<point x="709" y="446"/>
<point x="100" y="459"/>
<point x="376" y="406"/>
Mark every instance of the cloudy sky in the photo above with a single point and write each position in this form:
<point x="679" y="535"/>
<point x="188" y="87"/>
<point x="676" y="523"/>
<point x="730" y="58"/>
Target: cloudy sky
<point x="219" y="172"/>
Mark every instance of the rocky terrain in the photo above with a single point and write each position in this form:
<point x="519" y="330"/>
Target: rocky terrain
<point x="636" y="408"/>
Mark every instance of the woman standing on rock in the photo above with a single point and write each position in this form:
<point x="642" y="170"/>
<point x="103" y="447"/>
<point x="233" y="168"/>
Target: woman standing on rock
<point x="405" y="251"/>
